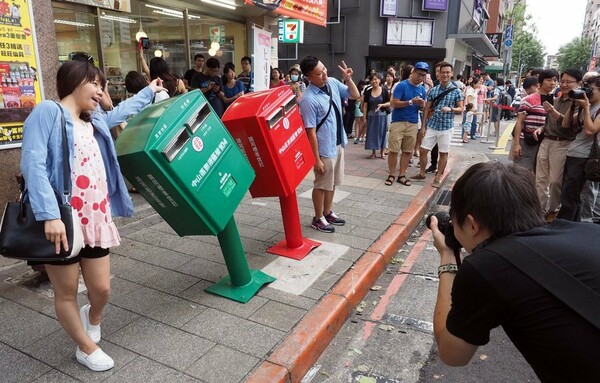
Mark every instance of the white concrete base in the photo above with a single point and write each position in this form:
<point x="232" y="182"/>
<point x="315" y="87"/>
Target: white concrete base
<point x="337" y="197"/>
<point x="296" y="276"/>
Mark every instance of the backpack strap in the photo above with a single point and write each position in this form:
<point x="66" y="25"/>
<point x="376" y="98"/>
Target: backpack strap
<point x="564" y="286"/>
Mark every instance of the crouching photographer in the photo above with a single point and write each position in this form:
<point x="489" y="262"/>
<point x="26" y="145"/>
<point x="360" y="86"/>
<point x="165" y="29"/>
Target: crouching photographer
<point x="540" y="282"/>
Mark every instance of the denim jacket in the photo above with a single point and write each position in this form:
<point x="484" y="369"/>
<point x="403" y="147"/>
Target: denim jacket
<point x="42" y="158"/>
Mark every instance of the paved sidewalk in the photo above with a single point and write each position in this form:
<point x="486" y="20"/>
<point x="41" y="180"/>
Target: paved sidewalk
<point x="160" y="324"/>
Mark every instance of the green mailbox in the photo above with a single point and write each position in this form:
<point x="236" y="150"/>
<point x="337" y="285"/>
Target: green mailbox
<point x="180" y="157"/>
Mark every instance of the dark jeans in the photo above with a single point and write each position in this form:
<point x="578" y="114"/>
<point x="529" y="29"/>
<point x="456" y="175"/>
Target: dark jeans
<point x="349" y="116"/>
<point x="572" y="185"/>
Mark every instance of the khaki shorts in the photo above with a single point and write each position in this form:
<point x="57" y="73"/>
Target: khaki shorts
<point x="334" y="172"/>
<point x="403" y="136"/>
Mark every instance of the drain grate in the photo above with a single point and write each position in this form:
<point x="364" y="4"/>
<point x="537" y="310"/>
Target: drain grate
<point x="444" y="198"/>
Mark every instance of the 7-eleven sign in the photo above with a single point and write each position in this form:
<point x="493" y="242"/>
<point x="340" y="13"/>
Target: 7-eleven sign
<point x="292" y="31"/>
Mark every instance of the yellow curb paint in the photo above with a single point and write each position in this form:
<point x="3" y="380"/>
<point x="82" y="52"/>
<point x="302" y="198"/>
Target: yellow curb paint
<point x="504" y="139"/>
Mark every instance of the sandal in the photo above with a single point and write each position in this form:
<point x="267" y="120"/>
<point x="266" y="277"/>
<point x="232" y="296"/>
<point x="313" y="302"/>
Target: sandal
<point x="390" y="180"/>
<point x="403" y="180"/>
<point x="372" y="156"/>
<point x="418" y="177"/>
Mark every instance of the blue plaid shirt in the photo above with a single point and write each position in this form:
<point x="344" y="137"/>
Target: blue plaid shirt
<point x="439" y="120"/>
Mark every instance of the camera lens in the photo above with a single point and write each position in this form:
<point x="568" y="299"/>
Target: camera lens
<point x="445" y="227"/>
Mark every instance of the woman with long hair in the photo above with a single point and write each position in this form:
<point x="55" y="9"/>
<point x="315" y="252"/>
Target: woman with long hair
<point x="160" y="69"/>
<point x="376" y="113"/>
<point x="97" y="192"/>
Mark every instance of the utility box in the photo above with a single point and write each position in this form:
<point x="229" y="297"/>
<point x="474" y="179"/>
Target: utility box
<point x="268" y="127"/>
<point x="183" y="161"/>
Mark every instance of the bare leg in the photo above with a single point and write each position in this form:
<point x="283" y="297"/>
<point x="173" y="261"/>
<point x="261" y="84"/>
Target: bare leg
<point x="96" y="274"/>
<point x="442" y="165"/>
<point x="404" y="158"/>
<point x="327" y="206"/>
<point x="392" y="161"/>
<point x="65" y="279"/>
<point x="318" y="197"/>
<point x="422" y="161"/>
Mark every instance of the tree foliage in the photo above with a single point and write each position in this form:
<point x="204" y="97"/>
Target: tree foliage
<point x="575" y="54"/>
<point x="528" y="50"/>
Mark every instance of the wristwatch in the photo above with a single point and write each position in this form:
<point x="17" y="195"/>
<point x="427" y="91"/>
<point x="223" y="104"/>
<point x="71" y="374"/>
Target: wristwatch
<point x="410" y="102"/>
<point x="447" y="268"/>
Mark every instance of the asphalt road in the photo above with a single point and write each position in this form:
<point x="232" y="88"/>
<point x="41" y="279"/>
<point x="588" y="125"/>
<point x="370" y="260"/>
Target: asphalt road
<point x="389" y="338"/>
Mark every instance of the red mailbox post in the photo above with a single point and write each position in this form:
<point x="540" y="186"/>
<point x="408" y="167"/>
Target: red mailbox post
<point x="268" y="128"/>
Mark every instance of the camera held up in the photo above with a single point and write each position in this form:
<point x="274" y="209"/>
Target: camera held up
<point x="445" y="226"/>
<point x="577" y="94"/>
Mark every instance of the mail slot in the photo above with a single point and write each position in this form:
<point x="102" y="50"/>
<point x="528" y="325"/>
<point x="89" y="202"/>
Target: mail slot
<point x="267" y="126"/>
<point x="180" y="157"/>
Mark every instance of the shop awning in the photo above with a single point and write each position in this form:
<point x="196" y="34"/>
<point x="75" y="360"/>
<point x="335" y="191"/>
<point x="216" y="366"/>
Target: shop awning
<point x="478" y="41"/>
<point x="495" y="67"/>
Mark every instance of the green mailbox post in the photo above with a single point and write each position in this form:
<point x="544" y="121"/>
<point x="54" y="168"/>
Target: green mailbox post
<point x="180" y="157"/>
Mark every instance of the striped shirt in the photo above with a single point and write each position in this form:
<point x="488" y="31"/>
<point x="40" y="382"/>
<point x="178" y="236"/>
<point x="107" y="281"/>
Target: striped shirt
<point x="535" y="115"/>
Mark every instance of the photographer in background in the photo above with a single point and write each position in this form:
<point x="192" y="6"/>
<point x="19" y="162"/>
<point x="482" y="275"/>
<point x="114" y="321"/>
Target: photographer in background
<point x="552" y="152"/>
<point x="488" y="291"/>
<point x="582" y="119"/>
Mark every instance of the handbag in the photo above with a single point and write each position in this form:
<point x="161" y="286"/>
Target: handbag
<point x="24" y="238"/>
<point x="592" y="165"/>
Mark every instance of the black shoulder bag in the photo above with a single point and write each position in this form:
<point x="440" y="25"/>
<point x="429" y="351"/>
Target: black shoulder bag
<point x="439" y="98"/>
<point x="326" y="115"/>
<point x="592" y="164"/>
<point x="566" y="288"/>
<point x="24" y="238"/>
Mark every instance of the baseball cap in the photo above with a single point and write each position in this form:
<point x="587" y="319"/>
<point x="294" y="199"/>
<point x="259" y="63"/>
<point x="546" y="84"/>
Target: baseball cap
<point x="422" y="65"/>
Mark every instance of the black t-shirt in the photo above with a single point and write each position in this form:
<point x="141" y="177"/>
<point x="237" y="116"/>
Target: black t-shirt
<point x="200" y="80"/>
<point x="189" y="75"/>
<point x="488" y="292"/>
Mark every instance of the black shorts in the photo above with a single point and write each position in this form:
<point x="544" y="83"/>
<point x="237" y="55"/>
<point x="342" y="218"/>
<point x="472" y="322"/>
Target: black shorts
<point x="86" y="252"/>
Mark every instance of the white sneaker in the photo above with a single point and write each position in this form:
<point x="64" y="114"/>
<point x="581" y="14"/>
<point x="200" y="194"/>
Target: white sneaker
<point x="96" y="361"/>
<point x="93" y="332"/>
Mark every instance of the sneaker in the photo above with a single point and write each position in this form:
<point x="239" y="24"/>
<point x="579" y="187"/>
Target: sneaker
<point x="321" y="224"/>
<point x="431" y="169"/>
<point x="333" y="219"/>
<point x="96" y="361"/>
<point x="356" y="141"/>
<point x="92" y="331"/>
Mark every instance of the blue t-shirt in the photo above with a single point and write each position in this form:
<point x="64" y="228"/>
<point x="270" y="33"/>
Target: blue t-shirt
<point x="230" y="92"/>
<point x="405" y="91"/>
<point x="314" y="106"/>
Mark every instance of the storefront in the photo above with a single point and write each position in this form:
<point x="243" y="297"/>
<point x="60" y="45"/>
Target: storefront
<point x="109" y="36"/>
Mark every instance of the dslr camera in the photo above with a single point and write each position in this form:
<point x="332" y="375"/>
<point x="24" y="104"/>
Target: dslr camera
<point x="577" y="94"/>
<point x="445" y="226"/>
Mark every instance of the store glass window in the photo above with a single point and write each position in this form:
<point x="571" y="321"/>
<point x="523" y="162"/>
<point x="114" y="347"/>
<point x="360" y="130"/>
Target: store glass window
<point x="75" y="32"/>
<point x="164" y="28"/>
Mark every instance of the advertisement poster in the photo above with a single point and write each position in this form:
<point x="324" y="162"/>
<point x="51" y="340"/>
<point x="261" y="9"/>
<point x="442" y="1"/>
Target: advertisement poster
<point x="262" y="58"/>
<point x="311" y="11"/>
<point x="19" y="86"/>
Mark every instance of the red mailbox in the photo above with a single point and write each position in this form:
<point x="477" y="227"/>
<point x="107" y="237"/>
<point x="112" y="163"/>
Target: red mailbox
<point x="268" y="128"/>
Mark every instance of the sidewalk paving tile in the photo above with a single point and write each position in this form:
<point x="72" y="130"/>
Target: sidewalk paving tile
<point x="157" y="305"/>
<point x="151" y="254"/>
<point x="216" y="366"/>
<point x="144" y="370"/>
<point x="54" y="376"/>
<point x="21" y="326"/>
<point x="237" y="333"/>
<point x="19" y="367"/>
<point x="171" y="346"/>
<point x="155" y="277"/>
<point x="278" y="315"/>
<point x="197" y="294"/>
